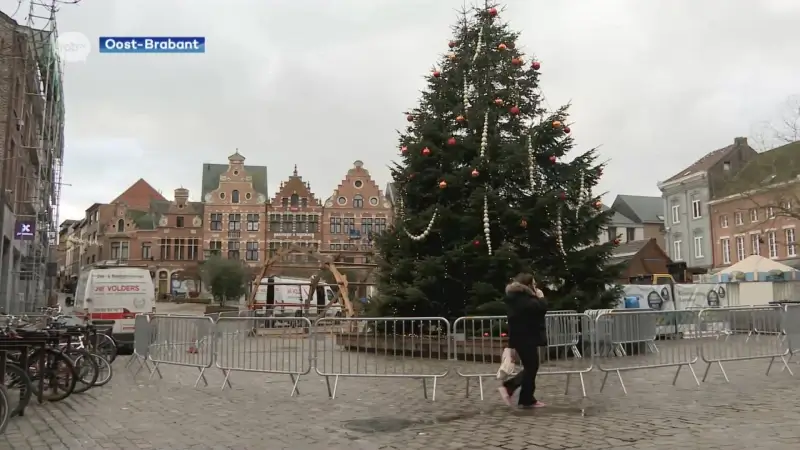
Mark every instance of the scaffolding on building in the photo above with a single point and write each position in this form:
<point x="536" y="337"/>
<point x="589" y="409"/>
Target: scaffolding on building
<point x="44" y="98"/>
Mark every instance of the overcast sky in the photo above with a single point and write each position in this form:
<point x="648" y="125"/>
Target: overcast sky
<point x="320" y="84"/>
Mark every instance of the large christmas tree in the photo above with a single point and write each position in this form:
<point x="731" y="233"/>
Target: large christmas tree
<point x="485" y="190"/>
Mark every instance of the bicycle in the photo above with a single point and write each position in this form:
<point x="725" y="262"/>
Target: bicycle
<point x="5" y="413"/>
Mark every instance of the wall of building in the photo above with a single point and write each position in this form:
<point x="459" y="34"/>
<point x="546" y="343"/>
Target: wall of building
<point x="688" y="238"/>
<point x="623" y="232"/>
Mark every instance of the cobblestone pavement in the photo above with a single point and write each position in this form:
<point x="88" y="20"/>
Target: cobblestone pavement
<point x="753" y="411"/>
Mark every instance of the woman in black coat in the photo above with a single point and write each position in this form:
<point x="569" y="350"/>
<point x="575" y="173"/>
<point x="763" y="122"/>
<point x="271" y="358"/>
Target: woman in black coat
<point x="527" y="332"/>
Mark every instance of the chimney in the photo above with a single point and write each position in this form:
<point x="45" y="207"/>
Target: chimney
<point x="181" y="196"/>
<point x="740" y="141"/>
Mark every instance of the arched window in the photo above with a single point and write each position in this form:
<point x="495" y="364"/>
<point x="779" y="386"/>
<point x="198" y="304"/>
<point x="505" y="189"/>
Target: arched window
<point x="358" y="201"/>
<point x="235" y="197"/>
<point x="295" y="200"/>
<point x="120" y="225"/>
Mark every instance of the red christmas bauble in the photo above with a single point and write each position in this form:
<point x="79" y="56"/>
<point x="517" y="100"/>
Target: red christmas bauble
<point x="567" y="130"/>
<point x="493" y="12"/>
<point x="502" y="47"/>
<point x="460" y="119"/>
<point x="598" y="204"/>
<point x="514" y="110"/>
<point x="498" y="101"/>
<point x="616" y="241"/>
<point x="410" y="118"/>
<point x="451" y="44"/>
<point x="404" y="149"/>
<point x="475" y="173"/>
<point x="442" y="184"/>
<point x="426" y="151"/>
<point x="553" y="159"/>
<point x="535" y="65"/>
<point x="451" y="141"/>
<point x="562" y="196"/>
<point x="437" y="74"/>
<point x="516" y="61"/>
<point x="476" y="243"/>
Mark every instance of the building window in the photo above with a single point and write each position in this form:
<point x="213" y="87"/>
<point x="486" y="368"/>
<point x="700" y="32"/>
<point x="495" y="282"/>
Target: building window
<point x="234" y="222"/>
<point x="301" y="223"/>
<point x="612" y="233"/>
<point x="295" y="201"/>
<point x="313" y="223"/>
<point x="164" y="245"/>
<point x="753" y="215"/>
<point x="676" y="250"/>
<point x="696" y="212"/>
<point x="787" y="206"/>
<point x="630" y="234"/>
<point x="252" y="222"/>
<point x="770" y="213"/>
<point x="755" y="244"/>
<point x="380" y="225"/>
<point x="193" y="249"/>
<point x="772" y="239"/>
<point x="348" y="225"/>
<point x="676" y="214"/>
<point x="178" y="252"/>
<point x="698" y="246"/>
<point x="115" y="250"/>
<point x="726" y="250"/>
<point x="287" y="224"/>
<point x="235" y="196"/>
<point x="791" y="242"/>
<point x="252" y="251"/>
<point x="273" y="248"/>
<point x="358" y="201"/>
<point x="285" y="202"/>
<point x="120" y="225"/>
<point x="233" y="249"/>
<point x="723" y="221"/>
<point x="737" y="218"/>
<point x="146" y="251"/>
<point x="216" y="222"/>
<point x="366" y="226"/>
<point x="215" y="247"/>
<point x="274" y="222"/>
<point x="336" y="225"/>
<point x="304" y="202"/>
<point x="740" y="248"/>
<point x="179" y="222"/>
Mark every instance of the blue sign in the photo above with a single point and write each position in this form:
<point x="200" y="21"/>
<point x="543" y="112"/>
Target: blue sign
<point x="24" y="230"/>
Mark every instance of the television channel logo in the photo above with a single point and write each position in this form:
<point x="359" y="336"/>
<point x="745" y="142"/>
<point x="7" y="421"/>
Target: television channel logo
<point x="152" y="44"/>
<point x="73" y="46"/>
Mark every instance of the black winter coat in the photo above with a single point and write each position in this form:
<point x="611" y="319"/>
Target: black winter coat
<point x="526" y="317"/>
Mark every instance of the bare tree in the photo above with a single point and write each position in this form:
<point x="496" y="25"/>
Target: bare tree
<point x="783" y="129"/>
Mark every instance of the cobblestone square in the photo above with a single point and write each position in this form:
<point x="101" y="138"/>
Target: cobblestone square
<point x="753" y="411"/>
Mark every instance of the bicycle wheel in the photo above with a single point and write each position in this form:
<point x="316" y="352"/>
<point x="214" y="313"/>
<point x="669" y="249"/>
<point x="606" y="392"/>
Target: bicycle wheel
<point x="59" y="374"/>
<point x="104" y="345"/>
<point x="19" y="388"/>
<point x="105" y="372"/>
<point x="86" y="368"/>
<point x="5" y="412"/>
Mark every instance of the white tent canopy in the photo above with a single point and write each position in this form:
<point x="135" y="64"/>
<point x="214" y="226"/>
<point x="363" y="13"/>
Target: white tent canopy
<point x="756" y="264"/>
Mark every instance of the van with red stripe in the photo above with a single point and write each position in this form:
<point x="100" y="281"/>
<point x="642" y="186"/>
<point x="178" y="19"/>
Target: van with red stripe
<point x="286" y="297"/>
<point x="113" y="296"/>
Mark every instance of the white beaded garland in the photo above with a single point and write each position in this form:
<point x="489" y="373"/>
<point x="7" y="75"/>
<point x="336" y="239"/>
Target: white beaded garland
<point x="486" y="230"/>
<point x="426" y="231"/>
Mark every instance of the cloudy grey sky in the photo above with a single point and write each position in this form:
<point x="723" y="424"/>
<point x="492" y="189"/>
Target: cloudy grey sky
<point x="320" y="84"/>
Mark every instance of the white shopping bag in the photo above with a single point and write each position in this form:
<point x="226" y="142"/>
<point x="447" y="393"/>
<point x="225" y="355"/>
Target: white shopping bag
<point x="507" y="364"/>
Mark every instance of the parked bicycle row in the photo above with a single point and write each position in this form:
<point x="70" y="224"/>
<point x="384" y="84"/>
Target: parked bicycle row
<point x="610" y="342"/>
<point x="49" y="358"/>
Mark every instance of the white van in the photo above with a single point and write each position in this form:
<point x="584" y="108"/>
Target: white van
<point x="285" y="297"/>
<point x="114" y="296"/>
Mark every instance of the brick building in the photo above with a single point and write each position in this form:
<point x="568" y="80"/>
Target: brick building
<point x="756" y="213"/>
<point x="294" y="217"/>
<point x="355" y="212"/>
<point x="235" y="209"/>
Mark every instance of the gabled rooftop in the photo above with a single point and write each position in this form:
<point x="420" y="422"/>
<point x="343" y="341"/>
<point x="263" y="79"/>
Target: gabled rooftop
<point x="640" y="208"/>
<point x="708" y="160"/>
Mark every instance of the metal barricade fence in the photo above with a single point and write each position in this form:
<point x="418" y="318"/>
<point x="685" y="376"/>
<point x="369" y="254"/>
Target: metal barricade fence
<point x="142" y="336"/>
<point x="741" y="334"/>
<point x="279" y="350"/>
<point x="480" y="341"/>
<point x="791" y="326"/>
<point x="383" y="347"/>
<point x="628" y="340"/>
<point x="182" y="341"/>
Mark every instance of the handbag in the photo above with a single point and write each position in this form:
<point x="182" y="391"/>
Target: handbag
<point x="507" y="364"/>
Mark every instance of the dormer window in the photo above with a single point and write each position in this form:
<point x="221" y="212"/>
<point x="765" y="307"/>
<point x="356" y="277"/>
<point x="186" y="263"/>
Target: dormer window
<point x="304" y="202"/>
<point x="285" y="202"/>
<point x="295" y="201"/>
<point x="358" y="201"/>
<point x="120" y="226"/>
<point x="235" y="196"/>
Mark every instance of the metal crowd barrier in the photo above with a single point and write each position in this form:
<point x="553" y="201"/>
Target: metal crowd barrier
<point x="427" y="348"/>
<point x="385" y="347"/>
